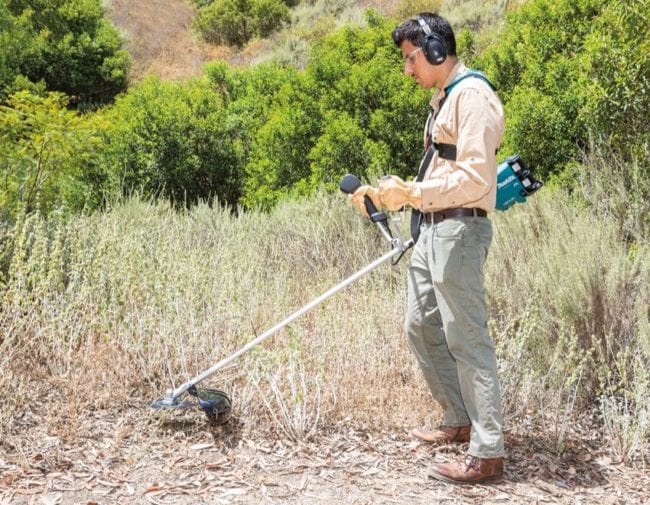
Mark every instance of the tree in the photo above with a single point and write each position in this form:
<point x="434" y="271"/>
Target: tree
<point x="66" y="43"/>
<point x="49" y="155"/>
<point x="174" y="140"/>
<point x="584" y="77"/>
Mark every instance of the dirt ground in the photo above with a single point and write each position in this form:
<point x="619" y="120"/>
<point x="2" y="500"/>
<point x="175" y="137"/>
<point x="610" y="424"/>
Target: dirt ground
<point x="138" y="457"/>
<point x="159" y="38"/>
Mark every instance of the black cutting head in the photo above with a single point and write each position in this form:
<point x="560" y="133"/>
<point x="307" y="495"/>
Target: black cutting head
<point x="215" y="403"/>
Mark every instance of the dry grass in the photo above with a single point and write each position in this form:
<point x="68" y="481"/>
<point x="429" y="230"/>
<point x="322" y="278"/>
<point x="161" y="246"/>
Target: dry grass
<point x="151" y="297"/>
<point x="160" y="38"/>
<point x="105" y="310"/>
<point x="161" y="41"/>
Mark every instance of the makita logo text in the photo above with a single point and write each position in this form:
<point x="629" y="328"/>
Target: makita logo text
<point x="507" y="181"/>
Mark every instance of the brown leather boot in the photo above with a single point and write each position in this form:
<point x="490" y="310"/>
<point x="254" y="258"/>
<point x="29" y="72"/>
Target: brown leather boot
<point x="470" y="471"/>
<point x="444" y="434"/>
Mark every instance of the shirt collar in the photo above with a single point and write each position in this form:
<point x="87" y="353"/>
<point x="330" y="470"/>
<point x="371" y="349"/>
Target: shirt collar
<point x="458" y="69"/>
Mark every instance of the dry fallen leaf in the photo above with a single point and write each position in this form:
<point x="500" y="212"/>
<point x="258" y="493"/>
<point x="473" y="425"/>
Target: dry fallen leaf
<point x="198" y="447"/>
<point x="152" y="489"/>
<point x="52" y="499"/>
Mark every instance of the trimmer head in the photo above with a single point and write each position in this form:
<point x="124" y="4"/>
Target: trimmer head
<point x="215" y="403"/>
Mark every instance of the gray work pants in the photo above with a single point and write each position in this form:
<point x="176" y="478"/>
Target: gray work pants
<point x="446" y="322"/>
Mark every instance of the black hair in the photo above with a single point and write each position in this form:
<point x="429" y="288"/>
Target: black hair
<point x="412" y="31"/>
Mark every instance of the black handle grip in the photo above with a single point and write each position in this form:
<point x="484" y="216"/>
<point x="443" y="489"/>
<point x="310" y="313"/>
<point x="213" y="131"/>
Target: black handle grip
<point x="349" y="184"/>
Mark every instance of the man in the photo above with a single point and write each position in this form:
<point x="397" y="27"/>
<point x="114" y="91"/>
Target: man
<point x="446" y="315"/>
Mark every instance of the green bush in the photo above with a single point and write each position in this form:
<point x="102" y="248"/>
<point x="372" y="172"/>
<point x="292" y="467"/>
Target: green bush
<point x="352" y="109"/>
<point x="581" y="77"/>
<point x="235" y="22"/>
<point x="224" y="22"/>
<point x="50" y="155"/>
<point x="252" y="94"/>
<point x="268" y="16"/>
<point x="341" y="148"/>
<point x="616" y="76"/>
<point x="16" y="41"/>
<point x="278" y="159"/>
<point x="66" y="43"/>
<point x="173" y="140"/>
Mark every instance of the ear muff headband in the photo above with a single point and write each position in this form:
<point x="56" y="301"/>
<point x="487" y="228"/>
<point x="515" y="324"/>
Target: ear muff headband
<point x="434" y="47"/>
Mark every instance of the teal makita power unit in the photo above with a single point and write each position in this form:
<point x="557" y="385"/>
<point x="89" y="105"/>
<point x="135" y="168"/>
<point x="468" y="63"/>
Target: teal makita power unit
<point x="514" y="183"/>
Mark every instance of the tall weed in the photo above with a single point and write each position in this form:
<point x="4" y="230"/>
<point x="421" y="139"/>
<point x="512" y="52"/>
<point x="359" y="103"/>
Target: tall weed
<point x="567" y="297"/>
<point x="112" y="308"/>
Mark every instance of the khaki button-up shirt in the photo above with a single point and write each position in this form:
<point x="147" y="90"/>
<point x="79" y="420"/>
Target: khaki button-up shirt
<point x="472" y="119"/>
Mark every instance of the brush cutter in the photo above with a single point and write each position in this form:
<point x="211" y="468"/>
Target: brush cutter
<point x="514" y="184"/>
<point x="215" y="403"/>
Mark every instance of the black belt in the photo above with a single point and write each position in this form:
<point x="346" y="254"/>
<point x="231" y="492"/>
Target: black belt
<point x="436" y="217"/>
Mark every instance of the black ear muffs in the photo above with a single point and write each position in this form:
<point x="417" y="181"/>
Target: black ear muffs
<point x="434" y="47"/>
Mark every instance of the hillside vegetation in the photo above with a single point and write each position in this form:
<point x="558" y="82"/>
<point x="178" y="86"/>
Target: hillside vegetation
<point x="111" y="308"/>
<point x="253" y="136"/>
<point x="158" y="35"/>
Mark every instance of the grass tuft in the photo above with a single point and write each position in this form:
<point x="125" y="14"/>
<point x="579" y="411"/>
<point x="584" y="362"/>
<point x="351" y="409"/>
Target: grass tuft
<point x="110" y="309"/>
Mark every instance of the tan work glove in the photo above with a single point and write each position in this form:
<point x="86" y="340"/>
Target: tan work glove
<point x="358" y="200"/>
<point x="394" y="193"/>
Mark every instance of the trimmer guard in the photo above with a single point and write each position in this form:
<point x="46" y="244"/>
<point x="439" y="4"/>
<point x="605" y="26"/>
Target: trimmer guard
<point x="215" y="403"/>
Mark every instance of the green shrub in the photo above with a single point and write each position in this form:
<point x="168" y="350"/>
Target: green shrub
<point x="582" y="77"/>
<point x="267" y="16"/>
<point x="352" y="109"/>
<point x="225" y="22"/>
<point x="615" y="71"/>
<point x="68" y="44"/>
<point x="50" y="155"/>
<point x="234" y="22"/>
<point x="174" y="140"/>
<point x="16" y="41"/>
<point x="341" y="148"/>
<point x="278" y="158"/>
<point x="252" y="94"/>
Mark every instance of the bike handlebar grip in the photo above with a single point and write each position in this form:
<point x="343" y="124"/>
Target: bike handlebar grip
<point x="349" y="184"/>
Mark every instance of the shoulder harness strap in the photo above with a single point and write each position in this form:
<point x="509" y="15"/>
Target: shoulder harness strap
<point x="448" y="151"/>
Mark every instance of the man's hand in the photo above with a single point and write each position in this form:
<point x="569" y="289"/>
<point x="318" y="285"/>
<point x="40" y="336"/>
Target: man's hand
<point x="358" y="199"/>
<point x="394" y="193"/>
